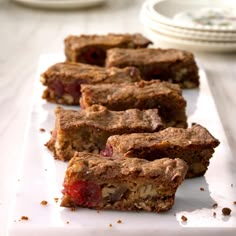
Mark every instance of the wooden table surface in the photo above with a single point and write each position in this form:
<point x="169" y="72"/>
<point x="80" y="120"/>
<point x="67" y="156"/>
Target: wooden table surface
<point x="26" y="33"/>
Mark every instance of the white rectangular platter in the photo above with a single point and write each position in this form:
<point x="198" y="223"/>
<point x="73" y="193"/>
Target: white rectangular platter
<point x="42" y="177"/>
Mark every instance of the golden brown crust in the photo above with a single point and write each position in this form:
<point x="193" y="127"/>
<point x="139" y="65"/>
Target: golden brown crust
<point x="102" y="118"/>
<point x="75" y="43"/>
<point x="89" y="129"/>
<point x="196" y="135"/>
<point x="91" y="49"/>
<point x="194" y="145"/>
<point x="163" y="95"/>
<point x="69" y="72"/>
<point x="63" y="80"/>
<point x="129" y="93"/>
<point x="91" y="166"/>
<point x="171" y="65"/>
<point x="118" y="56"/>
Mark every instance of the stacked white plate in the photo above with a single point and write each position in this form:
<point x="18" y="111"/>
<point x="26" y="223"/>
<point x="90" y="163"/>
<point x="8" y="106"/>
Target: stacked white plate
<point x="60" y="4"/>
<point x="196" y="25"/>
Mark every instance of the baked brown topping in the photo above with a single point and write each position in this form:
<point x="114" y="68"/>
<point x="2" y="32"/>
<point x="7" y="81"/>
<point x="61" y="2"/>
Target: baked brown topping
<point x="170" y="65"/>
<point x="91" y="49"/>
<point x="108" y="41"/>
<point x="119" y="55"/>
<point x="110" y="168"/>
<point x="196" y="135"/>
<point x="102" y="118"/>
<point x="165" y="96"/>
<point x="88" y="129"/>
<point x="195" y="145"/>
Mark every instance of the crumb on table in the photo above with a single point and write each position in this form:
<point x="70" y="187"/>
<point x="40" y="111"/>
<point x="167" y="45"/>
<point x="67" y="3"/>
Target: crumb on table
<point x="24" y="218"/>
<point x="110" y="225"/>
<point x="44" y="203"/>
<point x="184" y="218"/>
<point x="56" y="199"/>
<point x="226" y="211"/>
<point x="42" y="129"/>
<point x="215" y="205"/>
<point x="202" y="189"/>
<point x="119" y="221"/>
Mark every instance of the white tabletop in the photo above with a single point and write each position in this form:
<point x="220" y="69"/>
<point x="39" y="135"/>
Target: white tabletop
<point x="26" y="33"/>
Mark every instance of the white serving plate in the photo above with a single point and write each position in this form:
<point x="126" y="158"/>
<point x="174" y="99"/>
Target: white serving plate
<point x="162" y="39"/>
<point x="60" y="4"/>
<point x="41" y="179"/>
<point x="175" y="13"/>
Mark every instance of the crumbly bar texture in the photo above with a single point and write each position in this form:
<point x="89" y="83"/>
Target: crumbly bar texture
<point x="165" y="96"/>
<point x="171" y="65"/>
<point x="63" y="80"/>
<point x="127" y="184"/>
<point x="91" y="49"/>
<point x="88" y="130"/>
<point x="194" y="145"/>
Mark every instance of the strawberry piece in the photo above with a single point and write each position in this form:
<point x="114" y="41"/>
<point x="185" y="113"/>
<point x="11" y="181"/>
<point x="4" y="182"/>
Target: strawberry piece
<point x="107" y="151"/>
<point x="95" y="56"/>
<point x="74" y="88"/>
<point x="84" y="193"/>
<point x="57" y="87"/>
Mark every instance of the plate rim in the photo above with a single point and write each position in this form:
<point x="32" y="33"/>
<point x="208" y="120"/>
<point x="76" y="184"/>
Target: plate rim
<point x="149" y="5"/>
<point x="183" y="33"/>
<point x="61" y="4"/>
<point x="194" y="45"/>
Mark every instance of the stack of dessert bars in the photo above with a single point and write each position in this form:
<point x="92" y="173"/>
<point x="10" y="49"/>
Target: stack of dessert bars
<point x="127" y="140"/>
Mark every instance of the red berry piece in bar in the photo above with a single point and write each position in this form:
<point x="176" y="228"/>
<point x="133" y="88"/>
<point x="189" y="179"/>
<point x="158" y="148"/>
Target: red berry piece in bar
<point x="84" y="193"/>
<point x="125" y="184"/>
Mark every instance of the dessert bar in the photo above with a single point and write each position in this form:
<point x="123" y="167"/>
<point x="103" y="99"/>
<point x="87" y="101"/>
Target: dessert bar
<point x="88" y="130"/>
<point x="91" y="49"/>
<point x="165" y="96"/>
<point x="194" y="145"/>
<point x="171" y="65"/>
<point x="63" y="80"/>
<point x="93" y="181"/>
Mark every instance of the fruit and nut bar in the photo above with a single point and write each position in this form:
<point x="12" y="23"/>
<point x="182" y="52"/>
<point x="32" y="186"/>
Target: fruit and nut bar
<point x="165" y="96"/>
<point x="91" y="49"/>
<point x="194" y="145"/>
<point x="127" y="184"/>
<point x="63" y="80"/>
<point x="171" y="65"/>
<point x="88" y="130"/>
